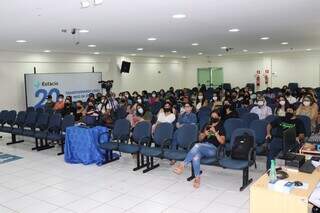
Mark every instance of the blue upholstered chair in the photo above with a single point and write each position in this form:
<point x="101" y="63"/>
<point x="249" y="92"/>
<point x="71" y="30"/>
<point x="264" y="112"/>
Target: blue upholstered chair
<point x="230" y="163"/>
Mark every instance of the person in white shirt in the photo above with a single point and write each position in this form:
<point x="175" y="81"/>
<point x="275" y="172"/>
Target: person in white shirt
<point x="262" y="110"/>
<point x="165" y="115"/>
<point x="291" y="99"/>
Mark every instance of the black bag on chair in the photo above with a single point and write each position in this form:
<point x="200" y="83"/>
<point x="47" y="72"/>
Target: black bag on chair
<point x="241" y="147"/>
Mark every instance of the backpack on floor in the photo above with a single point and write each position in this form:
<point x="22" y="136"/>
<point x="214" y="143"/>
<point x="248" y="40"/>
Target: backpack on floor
<point x="241" y="147"/>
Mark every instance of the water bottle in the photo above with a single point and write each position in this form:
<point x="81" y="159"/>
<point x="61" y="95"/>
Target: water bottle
<point x="273" y="173"/>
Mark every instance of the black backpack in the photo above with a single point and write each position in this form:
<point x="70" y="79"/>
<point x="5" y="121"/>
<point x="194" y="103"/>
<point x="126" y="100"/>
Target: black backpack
<point x="241" y="147"/>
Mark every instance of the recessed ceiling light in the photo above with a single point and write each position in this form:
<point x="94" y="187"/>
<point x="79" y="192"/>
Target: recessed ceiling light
<point x="85" y="4"/>
<point x="245" y="50"/>
<point x="133" y="54"/>
<point x="195" y="44"/>
<point x="96" y="53"/>
<point x="179" y="16"/>
<point x="152" y="39"/>
<point x="308" y="49"/>
<point x="97" y="2"/>
<point x="234" y="30"/>
<point x="83" y="31"/>
<point x="260" y="52"/>
<point x="220" y="55"/>
<point x="223" y="47"/>
<point x="284" y="43"/>
<point x="174" y="51"/>
<point x="264" y="38"/>
<point x="140" y="49"/>
<point x="161" y="56"/>
<point x="200" y="53"/>
<point x="21" y="41"/>
<point x="92" y="45"/>
<point x="47" y="51"/>
<point x="184" y="56"/>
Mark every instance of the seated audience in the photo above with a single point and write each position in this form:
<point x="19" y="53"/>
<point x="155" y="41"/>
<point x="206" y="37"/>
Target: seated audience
<point x="228" y="111"/>
<point x="210" y="139"/>
<point x="91" y="110"/>
<point x="137" y="115"/>
<point x="262" y="110"/>
<point x="80" y="111"/>
<point x="68" y="108"/>
<point x="200" y="101"/>
<point x="49" y="103"/>
<point x="291" y="99"/>
<point x="280" y="109"/>
<point x="59" y="105"/>
<point x="187" y="117"/>
<point x="280" y="125"/>
<point x="309" y="108"/>
<point x="165" y="115"/>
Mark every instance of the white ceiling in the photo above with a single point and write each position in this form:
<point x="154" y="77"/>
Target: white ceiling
<point x="121" y="26"/>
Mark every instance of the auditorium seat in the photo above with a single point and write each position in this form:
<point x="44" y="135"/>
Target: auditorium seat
<point x="141" y="134"/>
<point x="119" y="134"/>
<point x="230" y="163"/>
<point x="187" y="136"/>
<point x="162" y="138"/>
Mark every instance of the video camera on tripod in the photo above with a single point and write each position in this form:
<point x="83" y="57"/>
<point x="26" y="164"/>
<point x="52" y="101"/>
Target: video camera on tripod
<point x="107" y="85"/>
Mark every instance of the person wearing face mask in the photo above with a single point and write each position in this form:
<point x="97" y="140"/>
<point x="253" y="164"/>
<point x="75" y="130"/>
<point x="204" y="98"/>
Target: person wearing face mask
<point x="49" y="103"/>
<point x="91" y="110"/>
<point x="59" y="105"/>
<point x="80" y="111"/>
<point x="200" y="99"/>
<point x="153" y="99"/>
<point x="211" y="137"/>
<point x="165" y="115"/>
<point x="262" y="110"/>
<point x="68" y="108"/>
<point x="309" y="108"/>
<point x="282" y="103"/>
<point x="269" y="93"/>
<point x="275" y="132"/>
<point x="291" y="99"/>
<point x="137" y="115"/>
<point x="228" y="111"/>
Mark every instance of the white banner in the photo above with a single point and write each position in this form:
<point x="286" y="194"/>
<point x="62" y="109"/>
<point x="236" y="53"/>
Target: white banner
<point x="76" y="85"/>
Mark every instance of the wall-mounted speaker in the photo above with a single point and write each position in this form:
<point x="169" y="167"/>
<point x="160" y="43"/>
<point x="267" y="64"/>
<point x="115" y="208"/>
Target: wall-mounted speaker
<point x="125" y="67"/>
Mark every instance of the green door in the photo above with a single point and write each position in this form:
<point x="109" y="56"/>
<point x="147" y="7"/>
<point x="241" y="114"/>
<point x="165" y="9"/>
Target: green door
<point x="204" y="76"/>
<point x="217" y="76"/>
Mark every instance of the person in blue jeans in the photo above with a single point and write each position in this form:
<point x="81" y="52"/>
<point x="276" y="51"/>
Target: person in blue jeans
<point x="212" y="136"/>
<point x="187" y="117"/>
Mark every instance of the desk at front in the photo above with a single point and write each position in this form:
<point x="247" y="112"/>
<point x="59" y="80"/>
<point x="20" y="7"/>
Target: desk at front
<point x="265" y="200"/>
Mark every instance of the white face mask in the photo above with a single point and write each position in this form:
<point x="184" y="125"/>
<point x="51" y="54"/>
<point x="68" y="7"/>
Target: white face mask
<point x="306" y="103"/>
<point x="250" y="92"/>
<point x="182" y="110"/>
<point x="260" y="103"/>
<point x="139" y="101"/>
<point x="140" y="110"/>
<point x="200" y="97"/>
<point x="108" y="106"/>
<point x="282" y="103"/>
<point x="60" y="99"/>
<point x="153" y="95"/>
<point x="214" y="98"/>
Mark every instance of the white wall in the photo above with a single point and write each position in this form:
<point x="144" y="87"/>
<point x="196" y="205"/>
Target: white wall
<point x="155" y="73"/>
<point x="144" y="72"/>
<point x="301" y="67"/>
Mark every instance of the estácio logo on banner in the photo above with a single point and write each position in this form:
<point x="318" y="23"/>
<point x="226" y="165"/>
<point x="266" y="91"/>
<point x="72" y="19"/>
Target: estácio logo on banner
<point x="49" y="84"/>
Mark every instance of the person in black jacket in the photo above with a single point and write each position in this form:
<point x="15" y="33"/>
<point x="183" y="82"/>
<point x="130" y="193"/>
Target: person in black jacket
<point x="279" y="126"/>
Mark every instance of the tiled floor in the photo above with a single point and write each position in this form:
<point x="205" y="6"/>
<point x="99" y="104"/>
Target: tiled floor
<point x="43" y="182"/>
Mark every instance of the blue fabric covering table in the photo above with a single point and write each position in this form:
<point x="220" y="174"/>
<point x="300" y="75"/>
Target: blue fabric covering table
<point x="81" y="145"/>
